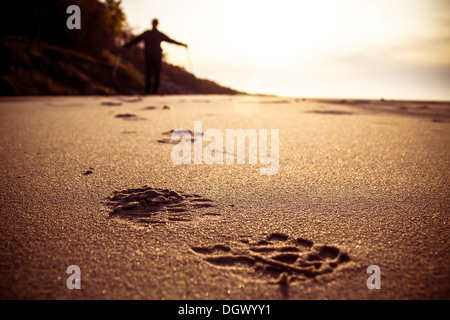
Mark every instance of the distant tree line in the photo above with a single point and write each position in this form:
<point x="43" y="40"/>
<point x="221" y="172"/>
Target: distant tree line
<point x="102" y="23"/>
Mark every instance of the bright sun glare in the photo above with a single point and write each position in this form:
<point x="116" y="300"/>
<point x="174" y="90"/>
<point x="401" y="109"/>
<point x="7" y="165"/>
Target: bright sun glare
<point x="263" y="30"/>
<point x="369" y="48"/>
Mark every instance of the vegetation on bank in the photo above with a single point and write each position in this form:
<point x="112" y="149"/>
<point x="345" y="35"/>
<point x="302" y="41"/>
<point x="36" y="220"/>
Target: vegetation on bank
<point x="40" y="56"/>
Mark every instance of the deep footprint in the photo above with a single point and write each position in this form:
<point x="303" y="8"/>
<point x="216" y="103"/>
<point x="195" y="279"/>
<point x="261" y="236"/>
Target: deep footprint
<point x="277" y="259"/>
<point x="148" y="205"/>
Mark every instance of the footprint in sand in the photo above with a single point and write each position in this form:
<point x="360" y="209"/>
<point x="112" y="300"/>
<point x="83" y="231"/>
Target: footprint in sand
<point x="129" y="116"/>
<point x="278" y="259"/>
<point x="157" y="206"/>
<point x="195" y="136"/>
<point x="131" y="99"/>
<point x="331" y="112"/>
<point x="111" y="103"/>
<point x="88" y="172"/>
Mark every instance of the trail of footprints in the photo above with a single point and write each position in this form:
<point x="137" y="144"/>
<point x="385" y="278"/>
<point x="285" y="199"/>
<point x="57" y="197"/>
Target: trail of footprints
<point x="277" y="259"/>
<point x="157" y="206"/>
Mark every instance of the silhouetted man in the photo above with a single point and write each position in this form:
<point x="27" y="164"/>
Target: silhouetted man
<point x="153" y="54"/>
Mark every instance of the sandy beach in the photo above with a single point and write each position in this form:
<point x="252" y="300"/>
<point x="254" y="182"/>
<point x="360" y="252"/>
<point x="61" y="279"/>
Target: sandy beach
<point x="89" y="181"/>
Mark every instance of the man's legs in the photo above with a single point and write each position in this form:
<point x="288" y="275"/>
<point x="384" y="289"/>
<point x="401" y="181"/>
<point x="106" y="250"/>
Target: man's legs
<point x="152" y="73"/>
<point x="156" y="73"/>
<point x="148" y="76"/>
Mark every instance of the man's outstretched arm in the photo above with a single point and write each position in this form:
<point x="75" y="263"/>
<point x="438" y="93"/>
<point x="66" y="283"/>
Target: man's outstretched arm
<point x="134" y="41"/>
<point x="167" y="39"/>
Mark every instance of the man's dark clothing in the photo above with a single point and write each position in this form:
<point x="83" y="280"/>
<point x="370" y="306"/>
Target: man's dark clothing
<point x="153" y="56"/>
<point x="152" y="71"/>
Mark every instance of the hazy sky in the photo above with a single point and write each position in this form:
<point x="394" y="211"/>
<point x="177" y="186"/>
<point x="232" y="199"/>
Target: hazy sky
<point x="395" y="49"/>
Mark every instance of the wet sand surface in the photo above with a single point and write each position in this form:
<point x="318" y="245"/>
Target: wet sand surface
<point x="89" y="181"/>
